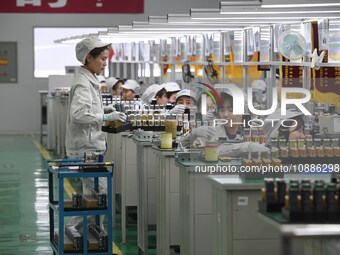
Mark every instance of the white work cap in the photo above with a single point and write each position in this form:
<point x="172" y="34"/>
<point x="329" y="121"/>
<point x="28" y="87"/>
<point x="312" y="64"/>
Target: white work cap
<point x="131" y="84"/>
<point x="225" y="88"/>
<point x="171" y="87"/>
<point x="185" y="92"/>
<point x="151" y="92"/>
<point x="112" y="81"/>
<point x="272" y="122"/>
<point x="101" y="78"/>
<point x="84" y="47"/>
<point x="259" y="84"/>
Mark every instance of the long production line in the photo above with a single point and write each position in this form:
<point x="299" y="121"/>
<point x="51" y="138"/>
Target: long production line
<point x="316" y="153"/>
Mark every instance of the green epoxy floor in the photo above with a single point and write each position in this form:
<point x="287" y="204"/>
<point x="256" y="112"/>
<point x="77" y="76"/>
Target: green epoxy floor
<point x="24" y="222"/>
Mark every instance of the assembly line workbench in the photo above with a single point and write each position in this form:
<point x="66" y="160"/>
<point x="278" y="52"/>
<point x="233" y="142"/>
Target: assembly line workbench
<point x="43" y="103"/>
<point x="123" y="151"/>
<point x="303" y="238"/>
<point x="147" y="171"/>
<point x="60" y="114"/>
<point x="64" y="169"/>
<point x="114" y="154"/>
<point x="167" y="211"/>
<point x="196" y="206"/>
<point x="129" y="183"/>
<point x="237" y="229"/>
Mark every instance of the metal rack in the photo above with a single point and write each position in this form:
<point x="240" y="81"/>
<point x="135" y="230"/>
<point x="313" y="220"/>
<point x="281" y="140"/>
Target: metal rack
<point x="75" y="168"/>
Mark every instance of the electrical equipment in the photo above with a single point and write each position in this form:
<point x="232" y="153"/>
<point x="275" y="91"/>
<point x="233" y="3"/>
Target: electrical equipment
<point x="76" y="201"/>
<point x="100" y="235"/>
<point x="329" y="124"/>
<point x="101" y="198"/>
<point x="302" y="201"/>
<point x="75" y="237"/>
<point x="93" y="201"/>
<point x="68" y="244"/>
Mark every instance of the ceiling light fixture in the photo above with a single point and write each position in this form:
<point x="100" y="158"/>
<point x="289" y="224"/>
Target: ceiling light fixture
<point x="299" y="5"/>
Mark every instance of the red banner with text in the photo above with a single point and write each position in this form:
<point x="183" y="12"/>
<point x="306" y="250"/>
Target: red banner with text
<point x="72" y="6"/>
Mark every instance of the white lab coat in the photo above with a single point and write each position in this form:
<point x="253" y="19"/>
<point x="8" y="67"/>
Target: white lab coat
<point x="84" y="116"/>
<point x="83" y="129"/>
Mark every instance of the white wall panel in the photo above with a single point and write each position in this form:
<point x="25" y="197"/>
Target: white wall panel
<point x="20" y="102"/>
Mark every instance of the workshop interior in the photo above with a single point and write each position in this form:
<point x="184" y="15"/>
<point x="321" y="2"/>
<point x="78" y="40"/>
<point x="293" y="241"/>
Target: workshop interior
<point x="170" y="127"/>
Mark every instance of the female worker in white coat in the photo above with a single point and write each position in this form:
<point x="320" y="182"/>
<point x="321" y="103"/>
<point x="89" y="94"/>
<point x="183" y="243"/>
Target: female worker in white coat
<point x="85" y="114"/>
<point x="293" y="128"/>
<point x="230" y="130"/>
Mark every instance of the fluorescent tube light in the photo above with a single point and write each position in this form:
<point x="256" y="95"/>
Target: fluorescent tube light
<point x="299" y="5"/>
<point x="158" y="19"/>
<point x="261" y="17"/>
<point x="175" y="18"/>
<point x="240" y="3"/>
<point x="187" y="19"/>
<point x="281" y="11"/>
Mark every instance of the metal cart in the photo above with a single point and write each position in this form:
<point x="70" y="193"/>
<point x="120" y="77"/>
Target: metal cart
<point x="75" y="168"/>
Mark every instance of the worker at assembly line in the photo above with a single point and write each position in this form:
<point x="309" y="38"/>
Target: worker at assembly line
<point x="130" y="90"/>
<point x="158" y="92"/>
<point x="294" y="127"/>
<point x="172" y="88"/>
<point x="187" y="98"/>
<point x="151" y="92"/>
<point x="102" y="83"/>
<point x="115" y="86"/>
<point x="211" y="107"/>
<point x="228" y="131"/>
<point x="86" y="114"/>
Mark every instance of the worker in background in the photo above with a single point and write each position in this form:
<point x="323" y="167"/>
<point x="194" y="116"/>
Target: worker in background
<point x="293" y="128"/>
<point x="259" y="93"/>
<point x="172" y="88"/>
<point x="228" y="131"/>
<point x="158" y="93"/>
<point x="102" y="83"/>
<point x="85" y="113"/>
<point x="186" y="98"/>
<point x="155" y="91"/>
<point x="130" y="90"/>
<point x="161" y="97"/>
<point x="115" y="86"/>
<point x="211" y="107"/>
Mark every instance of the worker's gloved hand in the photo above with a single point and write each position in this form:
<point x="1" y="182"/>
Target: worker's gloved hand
<point x="209" y="116"/>
<point x="178" y="109"/>
<point x="109" y="108"/>
<point x="238" y="149"/>
<point x="206" y="132"/>
<point x="193" y="109"/>
<point x="115" y="116"/>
